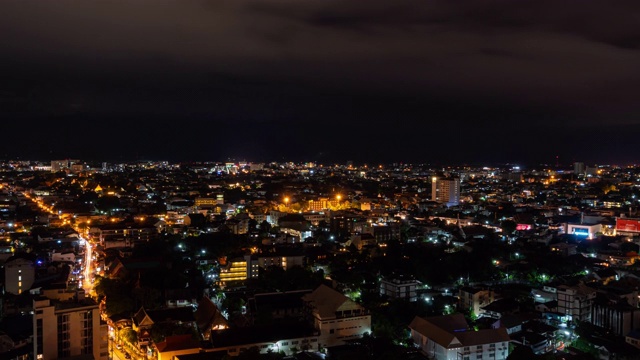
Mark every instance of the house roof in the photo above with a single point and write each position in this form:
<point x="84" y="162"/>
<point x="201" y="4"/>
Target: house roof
<point x="634" y="334"/>
<point x="208" y="314"/>
<point x="502" y="305"/>
<point x="177" y="342"/>
<point x="280" y="300"/>
<point x="487" y="336"/>
<point x="326" y="301"/>
<point x="434" y="332"/>
<point x="261" y="334"/>
<point x="142" y="318"/>
<point x="452" y="331"/>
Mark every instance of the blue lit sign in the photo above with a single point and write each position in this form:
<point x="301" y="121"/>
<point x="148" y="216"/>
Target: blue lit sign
<point x="580" y="232"/>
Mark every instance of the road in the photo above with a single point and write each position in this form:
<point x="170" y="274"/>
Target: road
<point x="115" y="353"/>
<point x="88" y="267"/>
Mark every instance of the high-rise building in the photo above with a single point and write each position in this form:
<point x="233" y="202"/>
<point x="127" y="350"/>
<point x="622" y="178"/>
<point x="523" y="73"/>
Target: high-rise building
<point x="578" y="168"/>
<point x="445" y="190"/>
<point x="67" y="328"/>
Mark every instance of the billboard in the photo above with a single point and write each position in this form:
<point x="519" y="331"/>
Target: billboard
<point x="632" y="225"/>
<point x="522" y="227"/>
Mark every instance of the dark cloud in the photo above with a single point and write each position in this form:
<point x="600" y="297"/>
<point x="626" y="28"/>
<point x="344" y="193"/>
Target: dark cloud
<point x="305" y="68"/>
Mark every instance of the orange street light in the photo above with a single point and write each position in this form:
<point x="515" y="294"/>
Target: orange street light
<point x="339" y="197"/>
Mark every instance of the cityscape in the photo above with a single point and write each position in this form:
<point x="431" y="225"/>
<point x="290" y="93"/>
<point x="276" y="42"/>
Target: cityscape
<point x="223" y="260"/>
<point x="319" y="180"/>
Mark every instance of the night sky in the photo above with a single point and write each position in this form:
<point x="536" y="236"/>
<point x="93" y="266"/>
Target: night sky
<point x="376" y="81"/>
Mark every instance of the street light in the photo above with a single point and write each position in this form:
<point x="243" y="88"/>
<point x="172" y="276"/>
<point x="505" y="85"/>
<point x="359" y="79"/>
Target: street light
<point x="339" y="197"/>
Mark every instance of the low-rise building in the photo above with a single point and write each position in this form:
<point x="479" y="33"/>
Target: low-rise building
<point x="399" y="287"/>
<point x="337" y="317"/>
<point x="448" y="337"/>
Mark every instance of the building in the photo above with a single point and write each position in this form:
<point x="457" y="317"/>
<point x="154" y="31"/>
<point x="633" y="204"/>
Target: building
<point x="399" y="287"/>
<point x="633" y="338"/>
<point x="616" y="313"/>
<point x="62" y="329"/>
<point x="578" y="168"/>
<point x="127" y="232"/>
<point x="236" y="269"/>
<point x="448" y="337"/>
<point x="278" y="305"/>
<point x="335" y="316"/>
<point x="575" y="301"/>
<point x="445" y="191"/>
<point x="19" y="275"/>
<point x="475" y="298"/>
<point x="202" y="203"/>
<point x="585" y="230"/>
<point x="282" y="259"/>
<point x="62" y="165"/>
<point x="319" y="204"/>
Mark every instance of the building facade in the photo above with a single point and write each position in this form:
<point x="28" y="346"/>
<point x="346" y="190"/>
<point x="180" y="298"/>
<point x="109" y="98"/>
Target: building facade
<point x="19" y="275"/>
<point x="64" y="329"/>
<point x="335" y="316"/>
<point x="575" y="301"/>
<point x="475" y="298"/>
<point x="448" y="337"/>
<point x="445" y="190"/>
<point x="399" y="287"/>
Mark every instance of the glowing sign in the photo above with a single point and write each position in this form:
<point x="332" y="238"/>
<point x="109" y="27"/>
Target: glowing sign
<point x="581" y="232"/>
<point x="628" y="225"/>
<point x="522" y="227"/>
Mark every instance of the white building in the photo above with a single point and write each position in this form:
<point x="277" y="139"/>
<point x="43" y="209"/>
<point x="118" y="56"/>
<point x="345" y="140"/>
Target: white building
<point x="63" y="329"/>
<point x="399" y="287"/>
<point x="19" y="275"/>
<point x="448" y="337"/>
<point x="585" y="230"/>
<point x="337" y="317"/>
<point x="475" y="298"/>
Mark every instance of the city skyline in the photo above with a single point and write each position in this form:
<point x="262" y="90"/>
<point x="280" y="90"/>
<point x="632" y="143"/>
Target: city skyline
<point x="325" y="81"/>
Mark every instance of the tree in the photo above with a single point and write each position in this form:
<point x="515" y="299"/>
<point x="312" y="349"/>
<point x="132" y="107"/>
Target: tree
<point x="265" y="227"/>
<point x="522" y="353"/>
<point x="252" y="353"/>
<point x="129" y="335"/>
<point x="252" y="224"/>
<point x="108" y="204"/>
<point x="508" y="227"/>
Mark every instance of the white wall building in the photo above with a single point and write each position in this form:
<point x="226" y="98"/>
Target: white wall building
<point x="337" y="317"/>
<point x="399" y="287"/>
<point x="448" y="337"/>
<point x="64" y="329"/>
<point x="585" y="230"/>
